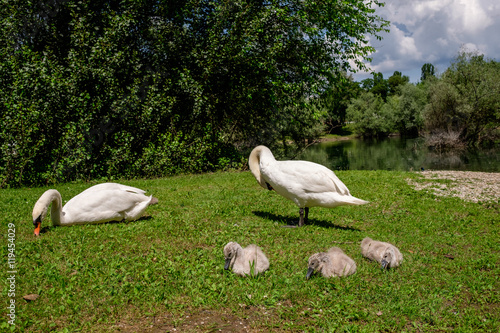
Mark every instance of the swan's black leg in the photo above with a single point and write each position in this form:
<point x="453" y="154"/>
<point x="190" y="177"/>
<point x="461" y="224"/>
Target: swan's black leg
<point x="302" y="220"/>
<point x="301" y="212"/>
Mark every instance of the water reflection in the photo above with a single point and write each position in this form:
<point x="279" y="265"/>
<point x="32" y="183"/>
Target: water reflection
<point x="397" y="154"/>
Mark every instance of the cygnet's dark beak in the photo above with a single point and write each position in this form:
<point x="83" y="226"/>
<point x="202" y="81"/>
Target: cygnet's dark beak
<point x="228" y="262"/>
<point x="309" y="273"/>
<point x="385" y="263"/>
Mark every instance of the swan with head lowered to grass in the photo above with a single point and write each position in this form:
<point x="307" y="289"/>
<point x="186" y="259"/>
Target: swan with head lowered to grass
<point x="307" y="184"/>
<point x="384" y="253"/>
<point x="245" y="261"/>
<point x="97" y="204"/>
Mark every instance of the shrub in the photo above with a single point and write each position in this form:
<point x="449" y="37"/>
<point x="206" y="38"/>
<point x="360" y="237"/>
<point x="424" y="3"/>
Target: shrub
<point x="466" y="99"/>
<point x="370" y="116"/>
<point x="409" y="112"/>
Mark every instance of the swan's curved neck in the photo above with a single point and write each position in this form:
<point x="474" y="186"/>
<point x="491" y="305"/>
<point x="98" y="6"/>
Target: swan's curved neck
<point x="54" y="197"/>
<point x="254" y="162"/>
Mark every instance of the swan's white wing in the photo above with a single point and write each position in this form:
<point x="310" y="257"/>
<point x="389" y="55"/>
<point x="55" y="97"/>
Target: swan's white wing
<point x="112" y="186"/>
<point x="305" y="176"/>
<point x="113" y="202"/>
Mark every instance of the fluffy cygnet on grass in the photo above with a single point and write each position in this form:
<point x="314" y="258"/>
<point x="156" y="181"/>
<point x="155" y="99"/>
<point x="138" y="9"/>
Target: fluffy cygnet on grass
<point x="245" y="261"/>
<point x="386" y="254"/>
<point x="332" y="263"/>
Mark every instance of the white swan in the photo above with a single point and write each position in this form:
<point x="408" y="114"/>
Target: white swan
<point x="330" y="264"/>
<point x="245" y="261"/>
<point x="307" y="184"/>
<point x="97" y="204"/>
<point x="386" y="254"/>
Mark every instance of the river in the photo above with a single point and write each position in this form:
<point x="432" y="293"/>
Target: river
<point x="398" y="153"/>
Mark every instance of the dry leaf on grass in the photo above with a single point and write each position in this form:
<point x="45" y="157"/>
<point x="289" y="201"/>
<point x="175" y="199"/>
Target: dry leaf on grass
<point x="31" y="297"/>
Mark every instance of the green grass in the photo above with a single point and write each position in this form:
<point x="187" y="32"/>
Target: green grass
<point x="165" y="271"/>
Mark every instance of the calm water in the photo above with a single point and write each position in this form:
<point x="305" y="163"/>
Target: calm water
<point x="397" y="154"/>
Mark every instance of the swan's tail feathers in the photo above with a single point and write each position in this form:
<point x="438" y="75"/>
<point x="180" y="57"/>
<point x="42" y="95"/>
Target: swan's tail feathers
<point x="153" y="201"/>
<point x="355" y="201"/>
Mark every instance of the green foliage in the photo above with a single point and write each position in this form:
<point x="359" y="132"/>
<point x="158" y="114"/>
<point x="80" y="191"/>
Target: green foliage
<point x="96" y="89"/>
<point x="370" y="116"/>
<point x="380" y="86"/>
<point x="459" y="109"/>
<point x="409" y="117"/>
<point x="165" y="271"/>
<point x="428" y="71"/>
<point x="396" y="81"/>
<point x="334" y="101"/>
<point x="466" y="100"/>
<point x="377" y="85"/>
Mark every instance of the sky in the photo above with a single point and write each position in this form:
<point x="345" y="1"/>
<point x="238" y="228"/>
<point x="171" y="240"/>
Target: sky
<point x="433" y="31"/>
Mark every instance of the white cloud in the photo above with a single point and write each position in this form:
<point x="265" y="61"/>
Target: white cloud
<point x="433" y="31"/>
<point x="408" y="47"/>
<point x="474" y="18"/>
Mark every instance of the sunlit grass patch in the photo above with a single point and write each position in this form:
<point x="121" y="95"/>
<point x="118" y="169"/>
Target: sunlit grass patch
<point x="166" y="270"/>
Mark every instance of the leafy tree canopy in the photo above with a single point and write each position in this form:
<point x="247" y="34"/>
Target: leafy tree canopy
<point x="396" y="81"/>
<point x="467" y="98"/>
<point x="428" y="71"/>
<point x="136" y="88"/>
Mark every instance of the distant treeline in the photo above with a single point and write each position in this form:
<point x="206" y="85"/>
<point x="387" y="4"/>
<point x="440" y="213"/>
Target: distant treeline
<point x="459" y="108"/>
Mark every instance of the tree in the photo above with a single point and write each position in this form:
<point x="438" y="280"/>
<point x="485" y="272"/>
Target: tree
<point x="396" y="81"/>
<point x="428" y="71"/>
<point x="409" y="112"/>
<point x="370" y="116"/>
<point x="88" y="87"/>
<point x="334" y="101"/>
<point x="380" y="86"/>
<point x="467" y="98"/>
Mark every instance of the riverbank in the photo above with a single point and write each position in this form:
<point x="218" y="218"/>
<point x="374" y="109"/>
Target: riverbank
<point x="466" y="185"/>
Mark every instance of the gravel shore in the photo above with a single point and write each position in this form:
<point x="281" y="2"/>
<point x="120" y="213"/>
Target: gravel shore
<point x="467" y="185"/>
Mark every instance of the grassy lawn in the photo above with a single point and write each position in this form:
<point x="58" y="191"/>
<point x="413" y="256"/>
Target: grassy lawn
<point x="165" y="272"/>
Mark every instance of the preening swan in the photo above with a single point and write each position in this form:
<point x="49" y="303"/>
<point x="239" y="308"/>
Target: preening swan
<point x="245" y="261"/>
<point x="386" y="254"/>
<point x="307" y="184"/>
<point x="330" y="264"/>
<point x="97" y="204"/>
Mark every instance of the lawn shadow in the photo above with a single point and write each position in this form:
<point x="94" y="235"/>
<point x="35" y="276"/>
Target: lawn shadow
<point x="293" y="220"/>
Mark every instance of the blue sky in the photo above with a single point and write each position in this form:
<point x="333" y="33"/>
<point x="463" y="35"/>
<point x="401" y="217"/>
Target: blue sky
<point x="433" y="31"/>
